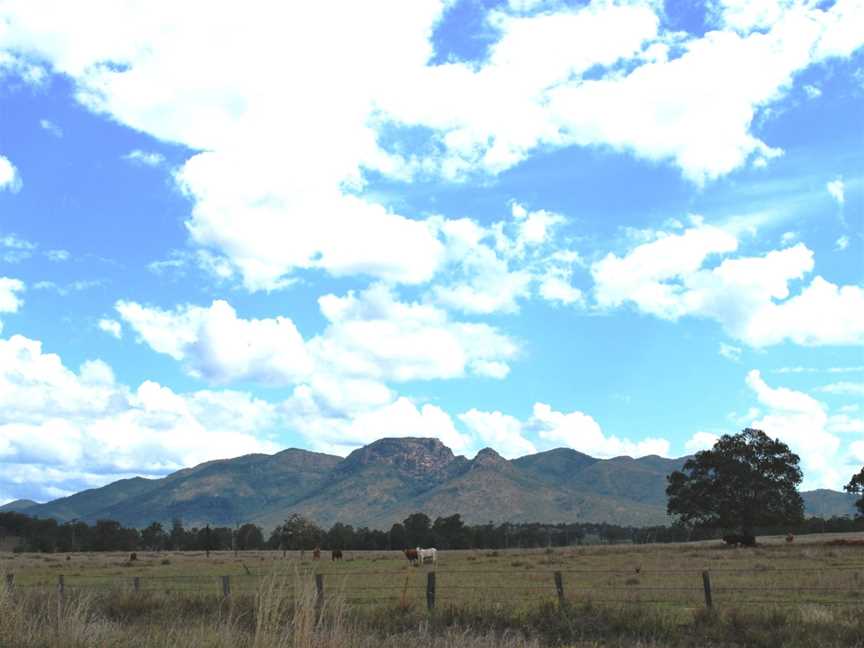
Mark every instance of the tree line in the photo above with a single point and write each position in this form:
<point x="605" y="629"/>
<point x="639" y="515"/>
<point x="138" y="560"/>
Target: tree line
<point x="417" y="530"/>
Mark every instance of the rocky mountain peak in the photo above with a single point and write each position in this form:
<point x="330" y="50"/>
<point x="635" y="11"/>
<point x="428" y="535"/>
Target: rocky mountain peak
<point x="413" y="455"/>
<point x="488" y="458"/>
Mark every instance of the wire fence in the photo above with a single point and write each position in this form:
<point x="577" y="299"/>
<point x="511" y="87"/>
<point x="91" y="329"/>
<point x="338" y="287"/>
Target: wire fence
<point x="835" y="585"/>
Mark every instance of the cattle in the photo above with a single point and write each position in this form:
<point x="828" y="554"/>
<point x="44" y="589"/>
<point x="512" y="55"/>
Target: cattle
<point x="133" y="557"/>
<point x="411" y="555"/>
<point x="336" y="554"/>
<point x="431" y="554"/>
<point x="790" y="537"/>
<point x="740" y="539"/>
<point x="316" y="553"/>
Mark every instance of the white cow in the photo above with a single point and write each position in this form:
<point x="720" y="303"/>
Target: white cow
<point x="423" y="554"/>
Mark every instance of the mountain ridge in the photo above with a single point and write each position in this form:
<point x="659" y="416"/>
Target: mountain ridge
<point x="388" y="479"/>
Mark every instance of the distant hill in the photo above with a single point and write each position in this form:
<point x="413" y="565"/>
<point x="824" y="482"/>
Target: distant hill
<point x="387" y="480"/>
<point x="827" y="503"/>
<point x="19" y="506"/>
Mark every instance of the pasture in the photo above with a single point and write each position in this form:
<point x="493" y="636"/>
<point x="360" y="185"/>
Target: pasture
<point x="602" y="595"/>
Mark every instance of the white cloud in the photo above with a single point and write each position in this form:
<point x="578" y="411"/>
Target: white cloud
<point x="369" y="335"/>
<point x="58" y="256"/>
<point x="500" y="431"/>
<point x="145" y="158"/>
<point x="69" y="288"/>
<point x="112" y="327"/>
<point x="10" y="299"/>
<point x="9" y="177"/>
<point x="843" y="423"/>
<point x="68" y="430"/>
<point x="821" y="314"/>
<point x="749" y="296"/>
<point x="746" y="15"/>
<point x="701" y="441"/>
<point x="14" y="249"/>
<point x="842" y="243"/>
<point x="837" y="190"/>
<point x="373" y="335"/>
<point x="581" y="432"/>
<point x="343" y="431"/>
<point x="491" y="269"/>
<point x="213" y="343"/>
<point x="846" y="388"/>
<point x="285" y="148"/>
<point x="556" y="287"/>
<point x="179" y="261"/>
<point x="650" y="274"/>
<point x="802" y="422"/>
<point x="51" y="127"/>
<point x="695" y="109"/>
<point x="784" y="370"/>
<point x="812" y="91"/>
<point x="730" y="352"/>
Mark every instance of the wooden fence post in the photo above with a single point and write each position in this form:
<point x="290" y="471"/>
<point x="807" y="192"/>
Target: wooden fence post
<point x="430" y="590"/>
<point x="61" y="587"/>
<point x="559" y="586"/>
<point x="136" y="584"/>
<point x="10" y="582"/>
<point x="319" y="594"/>
<point x="706" y="583"/>
<point x="226" y="586"/>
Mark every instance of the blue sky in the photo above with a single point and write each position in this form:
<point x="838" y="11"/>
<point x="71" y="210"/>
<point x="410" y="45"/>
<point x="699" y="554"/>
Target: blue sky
<point x="621" y="227"/>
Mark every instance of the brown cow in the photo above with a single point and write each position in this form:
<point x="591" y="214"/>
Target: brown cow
<point x="790" y="537"/>
<point x="336" y="554"/>
<point x="412" y="556"/>
<point x="316" y="553"/>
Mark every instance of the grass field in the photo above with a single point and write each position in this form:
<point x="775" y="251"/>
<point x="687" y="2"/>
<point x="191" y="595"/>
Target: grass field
<point x="806" y="593"/>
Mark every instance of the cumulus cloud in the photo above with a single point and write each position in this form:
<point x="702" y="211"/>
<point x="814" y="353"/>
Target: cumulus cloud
<point x="145" y="158"/>
<point x="837" y="190"/>
<point x="500" y="431"/>
<point x="370" y="335"/>
<point x="489" y="269"/>
<point x="730" y="352"/>
<point x="343" y="430"/>
<point x="749" y="296"/>
<point x="694" y="108"/>
<point x="10" y="179"/>
<point x="213" y="343"/>
<point x="10" y="296"/>
<point x="10" y="289"/>
<point x="802" y="422"/>
<point x="111" y="327"/>
<point x="581" y="432"/>
<point x="285" y="152"/>
<point x="62" y="430"/>
<point x="373" y="334"/>
<point x="700" y="441"/>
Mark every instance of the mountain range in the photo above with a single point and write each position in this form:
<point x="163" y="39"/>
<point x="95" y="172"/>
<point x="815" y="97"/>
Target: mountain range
<point x="387" y="480"/>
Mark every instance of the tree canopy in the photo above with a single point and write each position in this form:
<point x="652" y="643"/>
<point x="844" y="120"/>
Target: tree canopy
<point x="745" y="480"/>
<point x="856" y="487"/>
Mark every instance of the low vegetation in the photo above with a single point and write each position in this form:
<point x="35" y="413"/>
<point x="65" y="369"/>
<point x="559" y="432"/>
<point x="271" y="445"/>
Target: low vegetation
<point x="811" y="592"/>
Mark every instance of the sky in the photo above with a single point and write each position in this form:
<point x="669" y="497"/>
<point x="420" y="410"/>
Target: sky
<point x="623" y="227"/>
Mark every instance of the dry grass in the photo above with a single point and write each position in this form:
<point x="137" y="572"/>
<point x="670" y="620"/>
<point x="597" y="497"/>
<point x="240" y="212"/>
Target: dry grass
<point x="377" y="599"/>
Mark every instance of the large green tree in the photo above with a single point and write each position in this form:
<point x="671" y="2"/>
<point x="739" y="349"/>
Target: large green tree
<point x="744" y="481"/>
<point x="856" y="487"/>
